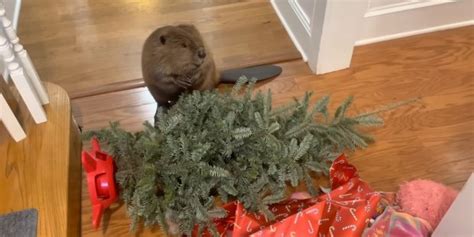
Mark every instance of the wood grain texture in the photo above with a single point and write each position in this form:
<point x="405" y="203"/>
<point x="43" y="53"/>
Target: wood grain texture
<point x="429" y="139"/>
<point x="43" y="171"/>
<point x="133" y="107"/>
<point x="92" y="47"/>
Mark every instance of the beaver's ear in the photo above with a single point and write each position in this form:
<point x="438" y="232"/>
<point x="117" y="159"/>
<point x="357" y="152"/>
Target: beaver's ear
<point x="163" y="39"/>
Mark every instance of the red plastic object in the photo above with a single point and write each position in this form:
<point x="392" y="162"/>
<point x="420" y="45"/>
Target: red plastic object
<point x="100" y="169"/>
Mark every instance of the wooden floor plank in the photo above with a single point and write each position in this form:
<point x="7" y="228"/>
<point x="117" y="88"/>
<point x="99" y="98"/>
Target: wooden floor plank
<point x="431" y="138"/>
<point x="92" y="47"/>
<point x="132" y="107"/>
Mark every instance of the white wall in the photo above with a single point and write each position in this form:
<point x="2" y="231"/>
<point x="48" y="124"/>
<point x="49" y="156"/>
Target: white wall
<point x="459" y="220"/>
<point x="390" y="19"/>
<point x="381" y="3"/>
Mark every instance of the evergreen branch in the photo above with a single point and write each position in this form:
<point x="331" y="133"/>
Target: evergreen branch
<point x="387" y="108"/>
<point x="235" y="146"/>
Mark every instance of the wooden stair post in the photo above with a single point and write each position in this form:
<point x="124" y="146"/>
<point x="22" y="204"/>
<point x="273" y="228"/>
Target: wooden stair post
<point x="43" y="171"/>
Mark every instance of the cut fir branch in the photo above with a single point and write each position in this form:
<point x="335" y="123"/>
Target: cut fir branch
<point x="237" y="147"/>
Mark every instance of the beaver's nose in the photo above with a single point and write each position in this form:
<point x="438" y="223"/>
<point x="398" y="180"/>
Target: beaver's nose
<point x="201" y="53"/>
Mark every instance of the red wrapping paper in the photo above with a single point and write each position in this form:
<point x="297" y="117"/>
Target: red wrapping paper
<point x="344" y="212"/>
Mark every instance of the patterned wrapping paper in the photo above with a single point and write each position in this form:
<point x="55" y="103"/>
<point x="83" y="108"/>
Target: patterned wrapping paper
<point x="343" y="212"/>
<point x="398" y="224"/>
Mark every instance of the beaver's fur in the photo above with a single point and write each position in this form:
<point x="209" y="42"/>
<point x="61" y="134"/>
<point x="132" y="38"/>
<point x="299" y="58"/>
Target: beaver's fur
<point x="175" y="60"/>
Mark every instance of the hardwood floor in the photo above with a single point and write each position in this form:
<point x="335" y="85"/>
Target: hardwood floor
<point x="93" y="47"/>
<point x="430" y="139"/>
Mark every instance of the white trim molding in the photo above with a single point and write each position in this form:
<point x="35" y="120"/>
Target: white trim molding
<point x="304" y="19"/>
<point x="293" y="25"/>
<point x="320" y="41"/>
<point x="414" y="32"/>
<point x="335" y="26"/>
<point x="409" y="17"/>
<point x="402" y="6"/>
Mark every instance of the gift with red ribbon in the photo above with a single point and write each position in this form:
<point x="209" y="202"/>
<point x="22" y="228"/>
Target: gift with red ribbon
<point x="343" y="212"/>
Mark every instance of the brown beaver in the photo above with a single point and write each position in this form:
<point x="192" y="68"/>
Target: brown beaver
<point x="176" y="60"/>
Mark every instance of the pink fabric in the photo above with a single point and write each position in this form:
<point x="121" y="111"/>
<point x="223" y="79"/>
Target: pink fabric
<point x="426" y="199"/>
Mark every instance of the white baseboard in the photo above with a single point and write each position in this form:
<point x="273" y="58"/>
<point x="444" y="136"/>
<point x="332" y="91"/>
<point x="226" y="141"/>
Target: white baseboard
<point x="400" y="7"/>
<point x="296" y="30"/>
<point x="414" y="32"/>
<point x="407" y="17"/>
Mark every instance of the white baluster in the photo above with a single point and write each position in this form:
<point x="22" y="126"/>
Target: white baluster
<point x="22" y="82"/>
<point x="9" y="120"/>
<point x="24" y="58"/>
<point x="26" y="92"/>
<point x="8" y="27"/>
<point x="6" y="53"/>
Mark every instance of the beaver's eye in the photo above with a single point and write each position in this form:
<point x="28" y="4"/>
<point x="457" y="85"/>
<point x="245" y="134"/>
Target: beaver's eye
<point x="184" y="45"/>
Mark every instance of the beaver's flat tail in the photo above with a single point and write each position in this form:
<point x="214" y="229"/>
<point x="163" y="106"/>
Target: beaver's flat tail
<point x="261" y="73"/>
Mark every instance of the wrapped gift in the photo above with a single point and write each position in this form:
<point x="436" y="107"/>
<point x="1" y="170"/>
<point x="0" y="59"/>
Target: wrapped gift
<point x="343" y="212"/>
<point x="398" y="224"/>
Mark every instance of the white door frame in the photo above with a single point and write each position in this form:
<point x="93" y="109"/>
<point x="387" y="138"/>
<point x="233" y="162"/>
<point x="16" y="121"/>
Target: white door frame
<point x="331" y="49"/>
<point x="327" y="36"/>
<point x="318" y="36"/>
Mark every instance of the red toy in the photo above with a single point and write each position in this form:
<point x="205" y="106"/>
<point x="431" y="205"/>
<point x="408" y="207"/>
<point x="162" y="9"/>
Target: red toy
<point x="100" y="170"/>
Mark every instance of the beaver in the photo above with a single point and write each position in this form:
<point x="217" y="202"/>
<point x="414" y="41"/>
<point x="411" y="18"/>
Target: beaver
<point x="176" y="60"/>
